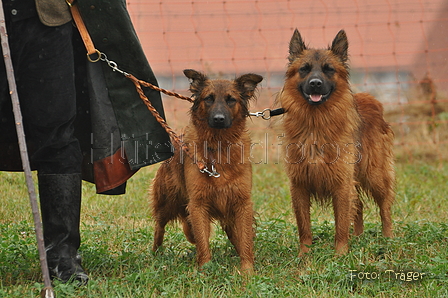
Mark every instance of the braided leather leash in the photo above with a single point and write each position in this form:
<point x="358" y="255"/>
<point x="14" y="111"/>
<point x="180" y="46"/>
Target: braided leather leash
<point x="146" y="84"/>
<point x="174" y="137"/>
<point x="92" y="52"/>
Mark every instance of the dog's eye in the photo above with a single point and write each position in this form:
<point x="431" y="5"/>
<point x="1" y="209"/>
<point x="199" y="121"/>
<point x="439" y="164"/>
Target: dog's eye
<point x="209" y="100"/>
<point x="328" y="69"/>
<point x="230" y="101"/>
<point x="305" y="69"/>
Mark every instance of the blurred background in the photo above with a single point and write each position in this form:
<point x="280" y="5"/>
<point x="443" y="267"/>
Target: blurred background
<point x="398" y="52"/>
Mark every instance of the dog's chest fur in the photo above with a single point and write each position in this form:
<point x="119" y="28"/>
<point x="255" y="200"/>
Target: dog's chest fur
<point x="230" y="157"/>
<point x="321" y="146"/>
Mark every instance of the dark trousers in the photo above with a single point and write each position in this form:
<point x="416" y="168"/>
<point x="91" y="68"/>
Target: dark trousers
<point x="43" y="65"/>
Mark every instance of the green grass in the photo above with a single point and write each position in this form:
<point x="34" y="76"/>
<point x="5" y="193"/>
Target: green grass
<point x="117" y="237"/>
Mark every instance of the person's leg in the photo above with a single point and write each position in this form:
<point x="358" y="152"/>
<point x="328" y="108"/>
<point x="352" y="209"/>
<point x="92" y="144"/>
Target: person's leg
<point x="45" y="80"/>
<point x="60" y="197"/>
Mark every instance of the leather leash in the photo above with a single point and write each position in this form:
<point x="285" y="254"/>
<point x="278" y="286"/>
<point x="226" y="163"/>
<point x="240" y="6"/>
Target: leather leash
<point x="85" y="36"/>
<point x="91" y="50"/>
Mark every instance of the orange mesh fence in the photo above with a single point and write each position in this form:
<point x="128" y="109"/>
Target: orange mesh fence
<point x="398" y="52"/>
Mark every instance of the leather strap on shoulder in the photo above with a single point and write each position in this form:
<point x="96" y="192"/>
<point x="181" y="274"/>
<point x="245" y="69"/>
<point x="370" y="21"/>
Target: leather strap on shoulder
<point x="82" y="27"/>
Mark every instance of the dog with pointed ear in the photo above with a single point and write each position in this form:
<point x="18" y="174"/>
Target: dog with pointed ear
<point x="339" y="47"/>
<point x="346" y="146"/>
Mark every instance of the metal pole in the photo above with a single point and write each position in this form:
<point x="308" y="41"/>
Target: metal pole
<point x="47" y="292"/>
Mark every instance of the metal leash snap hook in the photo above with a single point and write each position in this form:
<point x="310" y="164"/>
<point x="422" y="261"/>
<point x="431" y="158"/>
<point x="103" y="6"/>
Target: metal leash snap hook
<point x="111" y="64"/>
<point x="213" y="173"/>
<point x="265" y="114"/>
<point x="256" y="114"/>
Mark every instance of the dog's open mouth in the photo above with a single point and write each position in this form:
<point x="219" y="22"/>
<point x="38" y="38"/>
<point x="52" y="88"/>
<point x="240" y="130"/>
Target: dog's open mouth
<point x="317" y="98"/>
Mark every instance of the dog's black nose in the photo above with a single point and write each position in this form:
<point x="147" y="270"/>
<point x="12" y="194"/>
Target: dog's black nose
<point x="219" y="119"/>
<point x="316" y="83"/>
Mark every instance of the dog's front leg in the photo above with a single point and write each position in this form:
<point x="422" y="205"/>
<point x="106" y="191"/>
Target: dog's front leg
<point x="343" y="200"/>
<point x="200" y="224"/>
<point x="241" y="234"/>
<point x="301" y="204"/>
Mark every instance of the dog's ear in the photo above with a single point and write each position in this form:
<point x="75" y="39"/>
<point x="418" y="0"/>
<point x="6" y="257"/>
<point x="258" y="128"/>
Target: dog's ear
<point x="339" y="47"/>
<point x="247" y="84"/>
<point x="197" y="80"/>
<point x="296" y="46"/>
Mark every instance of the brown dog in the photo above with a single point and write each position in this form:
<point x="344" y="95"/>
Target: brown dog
<point x="217" y="136"/>
<point x="338" y="143"/>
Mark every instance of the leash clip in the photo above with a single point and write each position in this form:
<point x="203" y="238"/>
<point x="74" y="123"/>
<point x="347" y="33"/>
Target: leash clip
<point x="112" y="64"/>
<point x="212" y="173"/>
<point x="265" y="114"/>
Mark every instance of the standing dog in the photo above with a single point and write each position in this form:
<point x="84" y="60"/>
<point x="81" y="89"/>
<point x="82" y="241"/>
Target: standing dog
<point x="338" y="143"/>
<point x="218" y="137"/>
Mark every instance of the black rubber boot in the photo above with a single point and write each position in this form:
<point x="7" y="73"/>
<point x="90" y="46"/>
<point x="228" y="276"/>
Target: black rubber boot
<point x="60" y="201"/>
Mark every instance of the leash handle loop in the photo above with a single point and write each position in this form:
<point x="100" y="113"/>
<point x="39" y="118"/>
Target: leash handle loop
<point x="82" y="28"/>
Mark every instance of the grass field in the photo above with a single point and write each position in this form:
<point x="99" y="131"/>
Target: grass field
<point x="117" y="236"/>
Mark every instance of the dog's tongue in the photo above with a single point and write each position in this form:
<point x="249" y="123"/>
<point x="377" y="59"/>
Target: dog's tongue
<point x="315" y="97"/>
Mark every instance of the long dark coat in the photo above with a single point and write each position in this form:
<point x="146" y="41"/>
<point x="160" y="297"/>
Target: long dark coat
<point x="117" y="133"/>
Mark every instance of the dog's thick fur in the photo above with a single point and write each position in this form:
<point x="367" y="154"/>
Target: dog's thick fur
<point x="338" y="143"/>
<point x="216" y="135"/>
